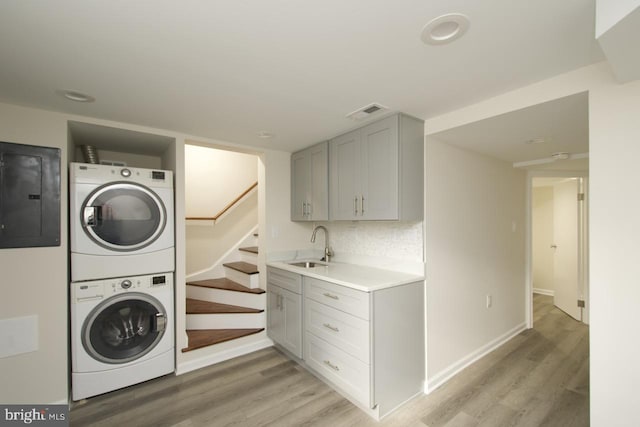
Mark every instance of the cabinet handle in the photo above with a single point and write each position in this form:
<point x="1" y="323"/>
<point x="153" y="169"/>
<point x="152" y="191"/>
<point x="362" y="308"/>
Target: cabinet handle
<point x="331" y="365"/>
<point x="309" y="209"/>
<point x="329" y="326"/>
<point x="355" y="205"/>
<point x="361" y="205"/>
<point x="328" y="295"/>
<point x="304" y="209"/>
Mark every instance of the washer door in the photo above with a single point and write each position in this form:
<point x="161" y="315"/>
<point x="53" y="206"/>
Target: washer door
<point x="123" y="216"/>
<point x="124" y="328"/>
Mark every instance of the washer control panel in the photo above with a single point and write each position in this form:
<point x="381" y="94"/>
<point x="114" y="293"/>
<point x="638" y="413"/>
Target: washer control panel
<point x="98" y="289"/>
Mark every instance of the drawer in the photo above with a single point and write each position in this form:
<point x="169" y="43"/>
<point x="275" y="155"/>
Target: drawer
<point x="345" y="371"/>
<point x="339" y="297"/>
<point x="285" y="279"/>
<point x="347" y="332"/>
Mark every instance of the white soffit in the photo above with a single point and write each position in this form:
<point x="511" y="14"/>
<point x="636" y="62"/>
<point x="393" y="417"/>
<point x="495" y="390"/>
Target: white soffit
<point x="561" y="125"/>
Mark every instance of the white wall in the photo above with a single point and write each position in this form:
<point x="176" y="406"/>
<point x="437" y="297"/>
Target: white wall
<point x="475" y="246"/>
<point x="34" y="280"/>
<point x="542" y="238"/>
<point x="214" y="178"/>
<point x="208" y="242"/>
<point x="614" y="128"/>
<point x="277" y="231"/>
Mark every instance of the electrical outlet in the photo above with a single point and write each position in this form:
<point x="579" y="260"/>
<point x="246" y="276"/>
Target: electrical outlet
<point x="489" y="301"/>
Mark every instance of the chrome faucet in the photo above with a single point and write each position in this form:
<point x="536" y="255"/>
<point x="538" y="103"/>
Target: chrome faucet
<point x="328" y="253"/>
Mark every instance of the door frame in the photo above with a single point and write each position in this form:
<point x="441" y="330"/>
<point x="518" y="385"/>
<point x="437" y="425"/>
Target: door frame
<point x="583" y="261"/>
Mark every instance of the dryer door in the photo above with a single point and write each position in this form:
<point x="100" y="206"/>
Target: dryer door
<point x="123" y="216"/>
<point x="124" y="328"/>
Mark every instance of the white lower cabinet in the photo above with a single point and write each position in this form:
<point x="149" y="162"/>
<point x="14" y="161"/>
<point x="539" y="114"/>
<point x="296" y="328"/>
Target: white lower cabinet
<point x="284" y="310"/>
<point x="345" y="371"/>
<point x="368" y="345"/>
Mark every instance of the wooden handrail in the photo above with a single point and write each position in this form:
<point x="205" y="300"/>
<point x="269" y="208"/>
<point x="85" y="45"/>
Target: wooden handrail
<point x="226" y="208"/>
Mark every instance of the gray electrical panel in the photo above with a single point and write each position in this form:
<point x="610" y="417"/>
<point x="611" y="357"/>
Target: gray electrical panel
<point x="29" y="196"/>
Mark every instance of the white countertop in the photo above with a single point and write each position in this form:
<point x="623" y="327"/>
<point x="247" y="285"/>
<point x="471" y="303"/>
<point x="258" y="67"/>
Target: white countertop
<point x="358" y="277"/>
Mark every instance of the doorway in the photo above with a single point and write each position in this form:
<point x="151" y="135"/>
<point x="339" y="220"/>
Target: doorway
<point x="558" y="218"/>
<point x="221" y="202"/>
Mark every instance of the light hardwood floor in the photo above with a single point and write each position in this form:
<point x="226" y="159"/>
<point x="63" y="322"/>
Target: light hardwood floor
<point x="539" y="378"/>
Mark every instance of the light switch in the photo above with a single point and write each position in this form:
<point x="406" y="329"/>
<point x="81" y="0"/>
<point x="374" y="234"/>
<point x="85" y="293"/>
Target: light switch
<point x="18" y="335"/>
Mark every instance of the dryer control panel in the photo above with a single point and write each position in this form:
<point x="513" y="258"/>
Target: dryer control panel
<point x="98" y="289"/>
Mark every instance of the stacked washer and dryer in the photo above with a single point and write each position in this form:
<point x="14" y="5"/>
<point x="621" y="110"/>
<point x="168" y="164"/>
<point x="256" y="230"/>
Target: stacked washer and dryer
<point x="122" y="263"/>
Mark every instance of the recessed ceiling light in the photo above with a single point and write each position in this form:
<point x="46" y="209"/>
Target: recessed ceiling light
<point x="445" y="29"/>
<point x="265" y="135"/>
<point x="76" y="96"/>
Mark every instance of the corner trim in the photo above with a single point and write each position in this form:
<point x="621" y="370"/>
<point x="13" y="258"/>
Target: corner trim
<point x="446" y="374"/>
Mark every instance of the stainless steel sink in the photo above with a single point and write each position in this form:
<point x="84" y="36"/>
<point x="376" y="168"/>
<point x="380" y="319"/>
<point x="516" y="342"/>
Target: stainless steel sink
<point x="308" y="264"/>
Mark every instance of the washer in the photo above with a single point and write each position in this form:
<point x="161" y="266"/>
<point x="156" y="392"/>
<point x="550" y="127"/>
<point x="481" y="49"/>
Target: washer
<point x="121" y="221"/>
<point x="121" y="332"/>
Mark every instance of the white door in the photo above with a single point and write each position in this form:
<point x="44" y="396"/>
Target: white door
<point x="565" y="230"/>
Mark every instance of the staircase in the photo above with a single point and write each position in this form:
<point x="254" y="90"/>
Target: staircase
<point x="227" y="308"/>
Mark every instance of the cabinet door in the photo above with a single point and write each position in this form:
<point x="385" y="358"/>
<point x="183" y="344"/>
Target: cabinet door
<point x="318" y="207"/>
<point x="345" y="176"/>
<point x="292" y="319"/>
<point x="379" y="170"/>
<point x="275" y="316"/>
<point x="284" y="318"/>
<point x="299" y="185"/>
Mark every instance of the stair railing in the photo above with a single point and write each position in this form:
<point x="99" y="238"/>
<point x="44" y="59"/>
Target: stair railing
<point x="227" y="208"/>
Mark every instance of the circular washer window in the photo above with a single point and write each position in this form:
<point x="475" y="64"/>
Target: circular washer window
<point x="124" y="328"/>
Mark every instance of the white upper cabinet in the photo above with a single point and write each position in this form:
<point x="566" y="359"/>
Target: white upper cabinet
<point x="376" y="172"/>
<point x="309" y="184"/>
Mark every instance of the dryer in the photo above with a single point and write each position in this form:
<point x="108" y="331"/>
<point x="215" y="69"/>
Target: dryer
<point x="121" y="332"/>
<point x="122" y="221"/>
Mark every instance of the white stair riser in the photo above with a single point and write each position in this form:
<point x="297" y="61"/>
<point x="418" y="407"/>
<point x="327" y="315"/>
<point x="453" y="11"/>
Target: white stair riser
<point x="248" y="280"/>
<point x="226" y="321"/>
<point x="249" y="257"/>
<point x="222" y="296"/>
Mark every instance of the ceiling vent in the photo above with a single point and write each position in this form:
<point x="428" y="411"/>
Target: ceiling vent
<point x="367" y="111"/>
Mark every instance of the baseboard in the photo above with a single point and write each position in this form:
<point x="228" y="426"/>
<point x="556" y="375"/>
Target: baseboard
<point x="544" y="291"/>
<point x="212" y="359"/>
<point x="446" y="374"/>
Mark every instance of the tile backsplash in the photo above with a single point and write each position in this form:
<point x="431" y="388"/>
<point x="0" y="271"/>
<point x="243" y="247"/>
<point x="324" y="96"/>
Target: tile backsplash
<point x="393" y="240"/>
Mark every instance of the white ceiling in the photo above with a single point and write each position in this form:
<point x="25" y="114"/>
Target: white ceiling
<point x="562" y="125"/>
<point x="230" y="69"/>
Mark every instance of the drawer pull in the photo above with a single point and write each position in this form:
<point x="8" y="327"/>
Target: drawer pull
<point x="331" y="365"/>
<point x="328" y="295"/>
<point x="333" y="328"/>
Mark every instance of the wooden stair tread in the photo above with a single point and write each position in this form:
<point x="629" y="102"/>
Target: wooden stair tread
<point x="251" y="249"/>
<point x="225" y="284"/>
<point x="243" y="267"/>
<point x="199" y="338"/>
<point x="196" y="306"/>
